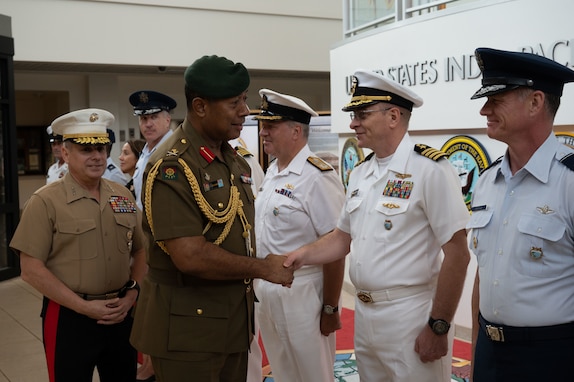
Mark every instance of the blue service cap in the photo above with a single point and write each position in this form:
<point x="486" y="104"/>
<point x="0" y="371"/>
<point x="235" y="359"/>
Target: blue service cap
<point x="503" y="70"/>
<point x="112" y="136"/>
<point x="150" y="102"/>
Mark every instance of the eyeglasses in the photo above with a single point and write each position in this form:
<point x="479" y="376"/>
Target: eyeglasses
<point x="361" y="115"/>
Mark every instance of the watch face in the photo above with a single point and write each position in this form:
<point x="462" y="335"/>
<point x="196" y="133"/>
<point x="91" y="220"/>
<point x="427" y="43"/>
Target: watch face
<point x="328" y="309"/>
<point x="440" y="327"/>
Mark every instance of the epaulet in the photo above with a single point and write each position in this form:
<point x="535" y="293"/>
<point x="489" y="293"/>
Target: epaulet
<point x="491" y="165"/>
<point x="568" y="161"/>
<point x="243" y="151"/>
<point x="111" y="167"/>
<point x="429" y="152"/>
<point x="367" y="158"/>
<point x="319" y="163"/>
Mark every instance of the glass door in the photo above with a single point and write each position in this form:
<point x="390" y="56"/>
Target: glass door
<point x="9" y="204"/>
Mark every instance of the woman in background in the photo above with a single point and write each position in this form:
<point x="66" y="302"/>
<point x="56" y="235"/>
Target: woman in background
<point x="128" y="158"/>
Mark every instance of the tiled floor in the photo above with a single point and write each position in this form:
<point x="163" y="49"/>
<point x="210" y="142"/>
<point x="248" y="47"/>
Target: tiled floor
<point x="21" y="351"/>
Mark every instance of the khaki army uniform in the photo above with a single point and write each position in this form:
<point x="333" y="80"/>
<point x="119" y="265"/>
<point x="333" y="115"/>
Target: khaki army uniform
<point x="179" y="316"/>
<point x="85" y="244"/>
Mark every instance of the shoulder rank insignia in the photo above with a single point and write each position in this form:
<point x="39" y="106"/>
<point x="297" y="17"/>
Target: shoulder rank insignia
<point x="243" y="151"/>
<point x="429" y="152"/>
<point x="568" y="161"/>
<point x="319" y="163"/>
<point x="492" y="165"/>
<point x="367" y="158"/>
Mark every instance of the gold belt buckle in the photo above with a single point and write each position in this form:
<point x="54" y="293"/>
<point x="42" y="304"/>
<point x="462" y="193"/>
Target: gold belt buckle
<point x="495" y="333"/>
<point x="365" y="297"/>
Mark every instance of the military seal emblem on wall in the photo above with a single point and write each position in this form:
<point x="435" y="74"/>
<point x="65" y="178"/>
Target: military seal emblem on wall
<point x="350" y="156"/>
<point x="566" y="138"/>
<point x="469" y="158"/>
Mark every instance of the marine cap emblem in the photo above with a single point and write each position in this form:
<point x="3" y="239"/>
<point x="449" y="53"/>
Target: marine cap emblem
<point x="94" y="117"/>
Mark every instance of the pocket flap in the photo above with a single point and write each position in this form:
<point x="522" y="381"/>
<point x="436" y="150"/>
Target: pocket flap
<point x="186" y="302"/>
<point x="542" y="226"/>
<point x="76" y="227"/>
<point x="353" y="204"/>
<point x="392" y="206"/>
<point x="479" y="219"/>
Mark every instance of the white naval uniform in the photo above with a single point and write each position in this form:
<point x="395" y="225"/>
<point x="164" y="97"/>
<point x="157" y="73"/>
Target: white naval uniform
<point x="140" y="168"/>
<point x="523" y="238"/>
<point x="295" y="207"/>
<point x="114" y="173"/>
<point x="255" y="360"/>
<point x="399" y="215"/>
<point x="56" y="172"/>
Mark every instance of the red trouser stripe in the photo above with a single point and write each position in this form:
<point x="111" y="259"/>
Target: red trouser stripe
<point x="50" y="333"/>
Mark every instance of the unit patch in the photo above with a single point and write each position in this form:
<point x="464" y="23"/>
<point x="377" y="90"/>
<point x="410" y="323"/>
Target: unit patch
<point x="169" y="172"/>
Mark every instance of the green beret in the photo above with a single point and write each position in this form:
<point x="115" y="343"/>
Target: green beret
<point x="216" y="77"/>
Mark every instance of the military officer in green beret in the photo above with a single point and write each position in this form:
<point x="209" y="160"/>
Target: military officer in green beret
<point x="195" y="315"/>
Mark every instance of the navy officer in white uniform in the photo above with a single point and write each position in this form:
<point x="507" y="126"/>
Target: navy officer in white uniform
<point x="523" y="225"/>
<point x="403" y="205"/>
<point x="299" y="201"/>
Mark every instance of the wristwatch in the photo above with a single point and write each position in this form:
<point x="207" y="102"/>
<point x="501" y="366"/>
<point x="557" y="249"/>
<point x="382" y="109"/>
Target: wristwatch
<point x="330" y="309"/>
<point x="439" y="327"/>
<point x="131" y="284"/>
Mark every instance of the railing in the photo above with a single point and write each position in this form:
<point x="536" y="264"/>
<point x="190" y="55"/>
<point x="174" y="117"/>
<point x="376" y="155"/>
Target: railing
<point x="363" y="15"/>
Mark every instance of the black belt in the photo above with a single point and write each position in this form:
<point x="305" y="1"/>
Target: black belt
<point x="504" y="333"/>
<point x="105" y="296"/>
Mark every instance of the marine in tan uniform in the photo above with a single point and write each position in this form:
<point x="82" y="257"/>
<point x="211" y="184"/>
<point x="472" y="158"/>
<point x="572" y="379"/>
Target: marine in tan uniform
<point x="81" y="245"/>
<point x="195" y="316"/>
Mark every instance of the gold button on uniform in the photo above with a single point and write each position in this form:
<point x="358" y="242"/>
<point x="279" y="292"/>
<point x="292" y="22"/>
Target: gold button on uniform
<point x="220" y="205"/>
<point x="199" y="311"/>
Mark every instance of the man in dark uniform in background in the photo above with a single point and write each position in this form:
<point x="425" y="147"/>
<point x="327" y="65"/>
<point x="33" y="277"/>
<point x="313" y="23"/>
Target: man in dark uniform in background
<point x="153" y="110"/>
<point x="195" y="316"/>
<point x="86" y="257"/>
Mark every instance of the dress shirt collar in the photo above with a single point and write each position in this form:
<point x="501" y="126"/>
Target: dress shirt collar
<point x="539" y="163"/>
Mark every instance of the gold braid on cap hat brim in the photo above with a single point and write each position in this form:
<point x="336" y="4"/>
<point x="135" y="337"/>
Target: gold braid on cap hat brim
<point x="366" y="99"/>
<point x="227" y="216"/>
<point x="92" y="140"/>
